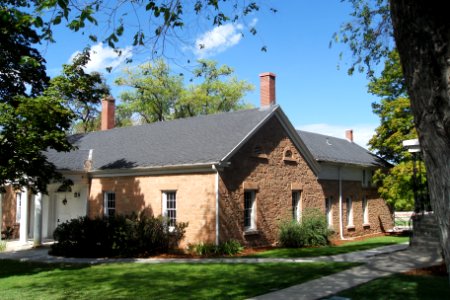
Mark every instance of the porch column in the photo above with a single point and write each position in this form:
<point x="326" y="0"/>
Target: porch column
<point x="23" y="233"/>
<point x="37" y="234"/>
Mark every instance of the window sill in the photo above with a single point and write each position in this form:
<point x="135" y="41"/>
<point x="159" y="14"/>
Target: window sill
<point x="288" y="159"/>
<point x="366" y="225"/>
<point x="251" y="232"/>
<point x="350" y="227"/>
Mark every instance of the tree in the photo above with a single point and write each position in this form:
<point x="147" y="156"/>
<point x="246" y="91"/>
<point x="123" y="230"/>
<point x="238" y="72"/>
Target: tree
<point x="81" y="92"/>
<point x="213" y="94"/>
<point x="422" y="36"/>
<point x="158" y="95"/>
<point x="155" y="91"/>
<point x="30" y="121"/>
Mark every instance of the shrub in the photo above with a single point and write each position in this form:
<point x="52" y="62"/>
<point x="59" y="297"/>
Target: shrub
<point x="311" y="231"/>
<point x="2" y="246"/>
<point x="231" y="247"/>
<point x="8" y="233"/>
<point x="116" y="236"/>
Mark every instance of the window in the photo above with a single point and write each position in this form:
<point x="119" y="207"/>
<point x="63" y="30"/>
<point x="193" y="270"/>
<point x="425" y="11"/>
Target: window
<point x="249" y="210"/>
<point x="296" y="206"/>
<point x="18" y="207"/>
<point x="349" y="211"/>
<point x="365" y="210"/>
<point x="329" y="210"/>
<point x="170" y="207"/>
<point x="109" y="204"/>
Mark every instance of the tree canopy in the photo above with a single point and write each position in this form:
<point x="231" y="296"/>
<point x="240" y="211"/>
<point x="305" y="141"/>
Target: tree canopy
<point x="159" y="95"/>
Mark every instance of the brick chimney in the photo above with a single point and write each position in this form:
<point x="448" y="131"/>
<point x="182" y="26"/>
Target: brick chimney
<point x="349" y="135"/>
<point x="267" y="89"/>
<point x="108" y="111"/>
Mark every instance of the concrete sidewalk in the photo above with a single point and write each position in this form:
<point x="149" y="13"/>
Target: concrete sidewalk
<point x="376" y="267"/>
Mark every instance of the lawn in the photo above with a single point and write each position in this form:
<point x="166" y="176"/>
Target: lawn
<point x="27" y="280"/>
<point x="402" y="286"/>
<point x="332" y="250"/>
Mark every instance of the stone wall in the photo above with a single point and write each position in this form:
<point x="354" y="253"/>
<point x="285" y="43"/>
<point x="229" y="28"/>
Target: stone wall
<point x="261" y="165"/>
<point x="379" y="214"/>
<point x="195" y="199"/>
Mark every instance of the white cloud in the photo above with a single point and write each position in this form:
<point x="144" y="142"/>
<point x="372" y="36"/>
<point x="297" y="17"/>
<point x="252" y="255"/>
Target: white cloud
<point x="103" y="57"/>
<point x="362" y="133"/>
<point x="218" y="40"/>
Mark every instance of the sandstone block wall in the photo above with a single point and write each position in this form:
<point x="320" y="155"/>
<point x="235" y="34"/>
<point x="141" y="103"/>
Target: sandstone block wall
<point x="195" y="199"/>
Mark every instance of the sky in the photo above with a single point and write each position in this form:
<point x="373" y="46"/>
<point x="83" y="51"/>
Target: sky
<point x="312" y="84"/>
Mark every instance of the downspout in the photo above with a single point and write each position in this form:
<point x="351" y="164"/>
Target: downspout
<point x="217" y="203"/>
<point x="341" y="225"/>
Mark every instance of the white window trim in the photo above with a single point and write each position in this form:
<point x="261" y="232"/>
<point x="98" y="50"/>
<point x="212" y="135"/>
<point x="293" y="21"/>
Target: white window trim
<point x="18" y="207"/>
<point x="252" y="226"/>
<point x="164" y="207"/>
<point x="329" y="212"/>
<point x="106" y="208"/>
<point x="365" y="207"/>
<point x="298" y="207"/>
<point x="349" y="204"/>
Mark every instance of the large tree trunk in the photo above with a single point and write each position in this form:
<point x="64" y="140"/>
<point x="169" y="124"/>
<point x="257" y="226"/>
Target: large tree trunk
<point x="422" y="35"/>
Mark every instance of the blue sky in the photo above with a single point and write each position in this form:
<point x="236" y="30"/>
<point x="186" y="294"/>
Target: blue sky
<point x="315" y="94"/>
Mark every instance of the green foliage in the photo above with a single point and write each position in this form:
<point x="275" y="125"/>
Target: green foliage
<point x="8" y="233"/>
<point x="368" y="34"/>
<point x="2" y="246"/>
<point x="80" y="92"/>
<point x="155" y="91"/>
<point x="125" y="236"/>
<point x="396" y="125"/>
<point x="310" y="232"/>
<point x="230" y="248"/>
<point x="158" y="95"/>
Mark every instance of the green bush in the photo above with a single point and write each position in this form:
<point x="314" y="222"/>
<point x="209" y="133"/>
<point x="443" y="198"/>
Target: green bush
<point x="117" y="236"/>
<point x="231" y="247"/>
<point x="2" y="246"/>
<point x="310" y="232"/>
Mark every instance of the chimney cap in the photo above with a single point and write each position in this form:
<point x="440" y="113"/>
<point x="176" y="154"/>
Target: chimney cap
<point x="109" y="98"/>
<point x="267" y="74"/>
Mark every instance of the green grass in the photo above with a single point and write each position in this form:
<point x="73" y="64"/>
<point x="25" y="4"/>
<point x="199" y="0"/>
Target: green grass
<point x="2" y="246"/>
<point x="26" y="280"/>
<point x="401" y="286"/>
<point x="331" y="250"/>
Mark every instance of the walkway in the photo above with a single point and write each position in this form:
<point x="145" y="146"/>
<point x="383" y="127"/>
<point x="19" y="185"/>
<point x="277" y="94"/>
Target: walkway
<point x="379" y="262"/>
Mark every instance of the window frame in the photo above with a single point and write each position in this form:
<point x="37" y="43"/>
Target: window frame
<point x="329" y="210"/>
<point x="250" y="196"/>
<point x="170" y="211"/>
<point x="109" y="211"/>
<point x="18" y="207"/>
<point x="349" y="206"/>
<point x="365" y="210"/>
<point x="296" y="205"/>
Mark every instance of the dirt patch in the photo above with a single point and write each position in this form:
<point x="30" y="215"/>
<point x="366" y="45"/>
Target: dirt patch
<point x="439" y="270"/>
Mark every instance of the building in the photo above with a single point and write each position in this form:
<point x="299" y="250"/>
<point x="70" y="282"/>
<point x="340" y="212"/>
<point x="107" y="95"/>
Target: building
<point x="232" y="175"/>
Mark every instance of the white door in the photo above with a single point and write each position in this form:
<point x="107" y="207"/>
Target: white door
<point x="68" y="207"/>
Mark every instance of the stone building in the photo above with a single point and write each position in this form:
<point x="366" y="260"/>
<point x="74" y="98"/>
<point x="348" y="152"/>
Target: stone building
<point x="232" y="175"/>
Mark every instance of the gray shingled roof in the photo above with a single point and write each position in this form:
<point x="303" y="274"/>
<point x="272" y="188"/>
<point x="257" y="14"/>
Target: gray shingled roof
<point x="190" y="141"/>
<point x="331" y="149"/>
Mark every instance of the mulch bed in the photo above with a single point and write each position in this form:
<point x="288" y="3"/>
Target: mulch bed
<point x="439" y="270"/>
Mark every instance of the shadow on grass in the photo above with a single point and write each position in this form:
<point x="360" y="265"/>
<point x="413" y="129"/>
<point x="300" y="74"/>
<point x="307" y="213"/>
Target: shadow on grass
<point x="402" y="287"/>
<point x="165" y="281"/>
<point x="23" y="268"/>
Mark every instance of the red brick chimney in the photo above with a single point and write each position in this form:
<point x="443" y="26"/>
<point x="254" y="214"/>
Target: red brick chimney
<point x="349" y="135"/>
<point x="267" y="89"/>
<point x="108" y="111"/>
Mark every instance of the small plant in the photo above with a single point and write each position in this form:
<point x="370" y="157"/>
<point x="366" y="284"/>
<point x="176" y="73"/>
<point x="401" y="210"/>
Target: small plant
<point x="8" y="233"/>
<point x="2" y="246"/>
<point x="310" y="232"/>
<point x="231" y="247"/>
